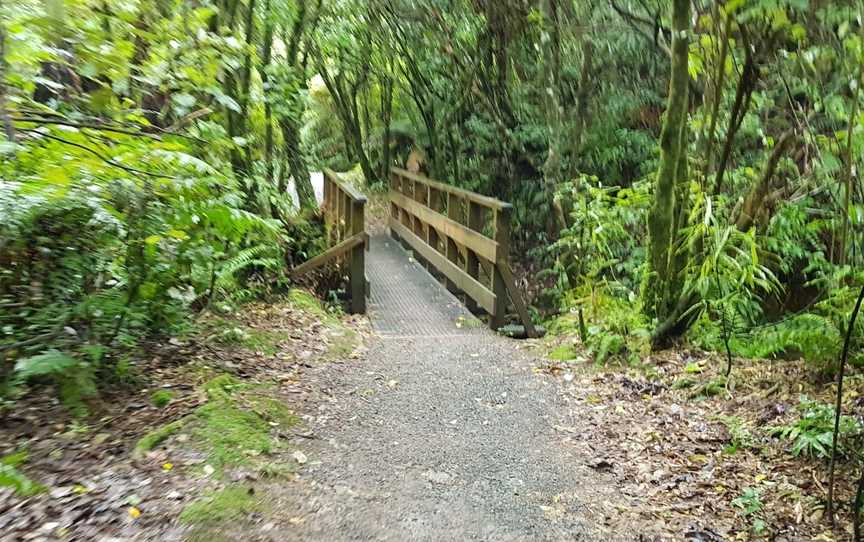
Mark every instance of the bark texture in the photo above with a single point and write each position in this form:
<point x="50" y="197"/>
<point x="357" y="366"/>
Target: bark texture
<point x="661" y="288"/>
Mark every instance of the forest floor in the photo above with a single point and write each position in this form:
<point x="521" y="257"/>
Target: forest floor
<point x="204" y="428"/>
<point x="284" y="422"/>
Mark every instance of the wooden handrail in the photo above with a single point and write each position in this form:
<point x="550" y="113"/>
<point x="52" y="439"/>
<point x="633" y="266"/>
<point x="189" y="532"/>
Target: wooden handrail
<point x="344" y="209"/>
<point x="485" y="201"/>
<point x="464" y="236"/>
<point x="329" y="255"/>
<point x="352" y="192"/>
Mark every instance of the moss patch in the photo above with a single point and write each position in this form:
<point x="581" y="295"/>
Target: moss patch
<point x="161" y="398"/>
<point x="234" y="427"/>
<point x="564" y="352"/>
<point x="227" y="504"/>
<point x="156" y="437"/>
<point x="236" y="424"/>
<point x="221" y="387"/>
<point x="303" y="300"/>
<point x="565" y="325"/>
<point x="258" y="340"/>
<point x="230" y="434"/>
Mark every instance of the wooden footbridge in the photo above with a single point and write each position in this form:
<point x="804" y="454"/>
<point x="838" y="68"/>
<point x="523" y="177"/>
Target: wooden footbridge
<point x="461" y="238"/>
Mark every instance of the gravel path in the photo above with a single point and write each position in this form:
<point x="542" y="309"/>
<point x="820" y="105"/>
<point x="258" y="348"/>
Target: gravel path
<point x="442" y="432"/>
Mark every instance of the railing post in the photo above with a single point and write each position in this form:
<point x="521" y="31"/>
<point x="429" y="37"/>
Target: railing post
<point x="499" y="287"/>
<point x="472" y="263"/>
<point x="358" y="260"/>
<point x="434" y="204"/>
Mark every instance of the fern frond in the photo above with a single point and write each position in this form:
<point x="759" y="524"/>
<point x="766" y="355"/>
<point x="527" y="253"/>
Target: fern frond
<point x="251" y="256"/>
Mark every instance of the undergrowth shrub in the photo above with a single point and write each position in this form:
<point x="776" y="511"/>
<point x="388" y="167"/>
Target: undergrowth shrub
<point x="85" y="274"/>
<point x="812" y="433"/>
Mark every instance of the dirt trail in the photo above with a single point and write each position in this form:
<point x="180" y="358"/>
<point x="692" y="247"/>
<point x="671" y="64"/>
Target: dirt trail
<point x="443" y="432"/>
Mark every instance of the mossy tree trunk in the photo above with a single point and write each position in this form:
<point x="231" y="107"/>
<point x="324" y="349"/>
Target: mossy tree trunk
<point x="662" y="287"/>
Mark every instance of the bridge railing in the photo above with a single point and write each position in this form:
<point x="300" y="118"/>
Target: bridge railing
<point x="463" y="235"/>
<point x="344" y="209"/>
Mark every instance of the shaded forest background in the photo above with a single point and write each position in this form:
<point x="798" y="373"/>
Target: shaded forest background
<point x="682" y="173"/>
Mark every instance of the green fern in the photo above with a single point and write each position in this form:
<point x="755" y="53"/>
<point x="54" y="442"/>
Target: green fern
<point x="253" y="256"/>
<point x="50" y="363"/>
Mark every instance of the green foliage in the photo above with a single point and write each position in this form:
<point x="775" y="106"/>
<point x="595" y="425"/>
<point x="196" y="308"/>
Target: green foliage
<point x="564" y="352"/>
<point x="812" y="433"/>
<point x="47" y="364"/>
<point x="10" y="476"/>
<point x="730" y="278"/>
<point x="740" y="434"/>
<point x="122" y="209"/>
<point x="750" y="505"/>
<point x="749" y="502"/>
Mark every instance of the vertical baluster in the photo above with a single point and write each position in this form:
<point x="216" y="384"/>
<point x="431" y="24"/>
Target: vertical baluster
<point x="357" y="271"/>
<point x="502" y="237"/>
<point x="394" y="187"/>
<point x="339" y="212"/>
<point x="434" y="204"/>
<point x="418" y="190"/>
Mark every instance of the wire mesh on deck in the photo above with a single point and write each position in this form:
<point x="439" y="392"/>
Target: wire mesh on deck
<point x="407" y="301"/>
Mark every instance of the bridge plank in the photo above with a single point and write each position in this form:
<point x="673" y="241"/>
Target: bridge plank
<point x="477" y="242"/>
<point x="477" y="291"/>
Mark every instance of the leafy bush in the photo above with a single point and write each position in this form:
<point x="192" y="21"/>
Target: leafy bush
<point x="10" y="476"/>
<point x="813" y="432"/>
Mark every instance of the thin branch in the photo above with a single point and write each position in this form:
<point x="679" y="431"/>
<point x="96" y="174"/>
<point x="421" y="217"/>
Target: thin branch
<point x="86" y="125"/>
<point x="839" y="404"/>
<point x="95" y="123"/>
<point x="102" y="157"/>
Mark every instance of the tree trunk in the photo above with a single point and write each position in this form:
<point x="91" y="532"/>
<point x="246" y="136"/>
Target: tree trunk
<point x="237" y="87"/>
<point x="849" y="159"/>
<point x="719" y="83"/>
<point x="266" y="57"/>
<point x="754" y="201"/>
<point x="749" y="75"/>
<point x="552" y="168"/>
<point x="6" y="120"/>
<point x="386" y="114"/>
<point x="660" y="290"/>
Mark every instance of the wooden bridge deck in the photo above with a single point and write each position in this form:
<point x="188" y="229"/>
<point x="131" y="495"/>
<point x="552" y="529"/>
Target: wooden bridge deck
<point x="406" y="301"/>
